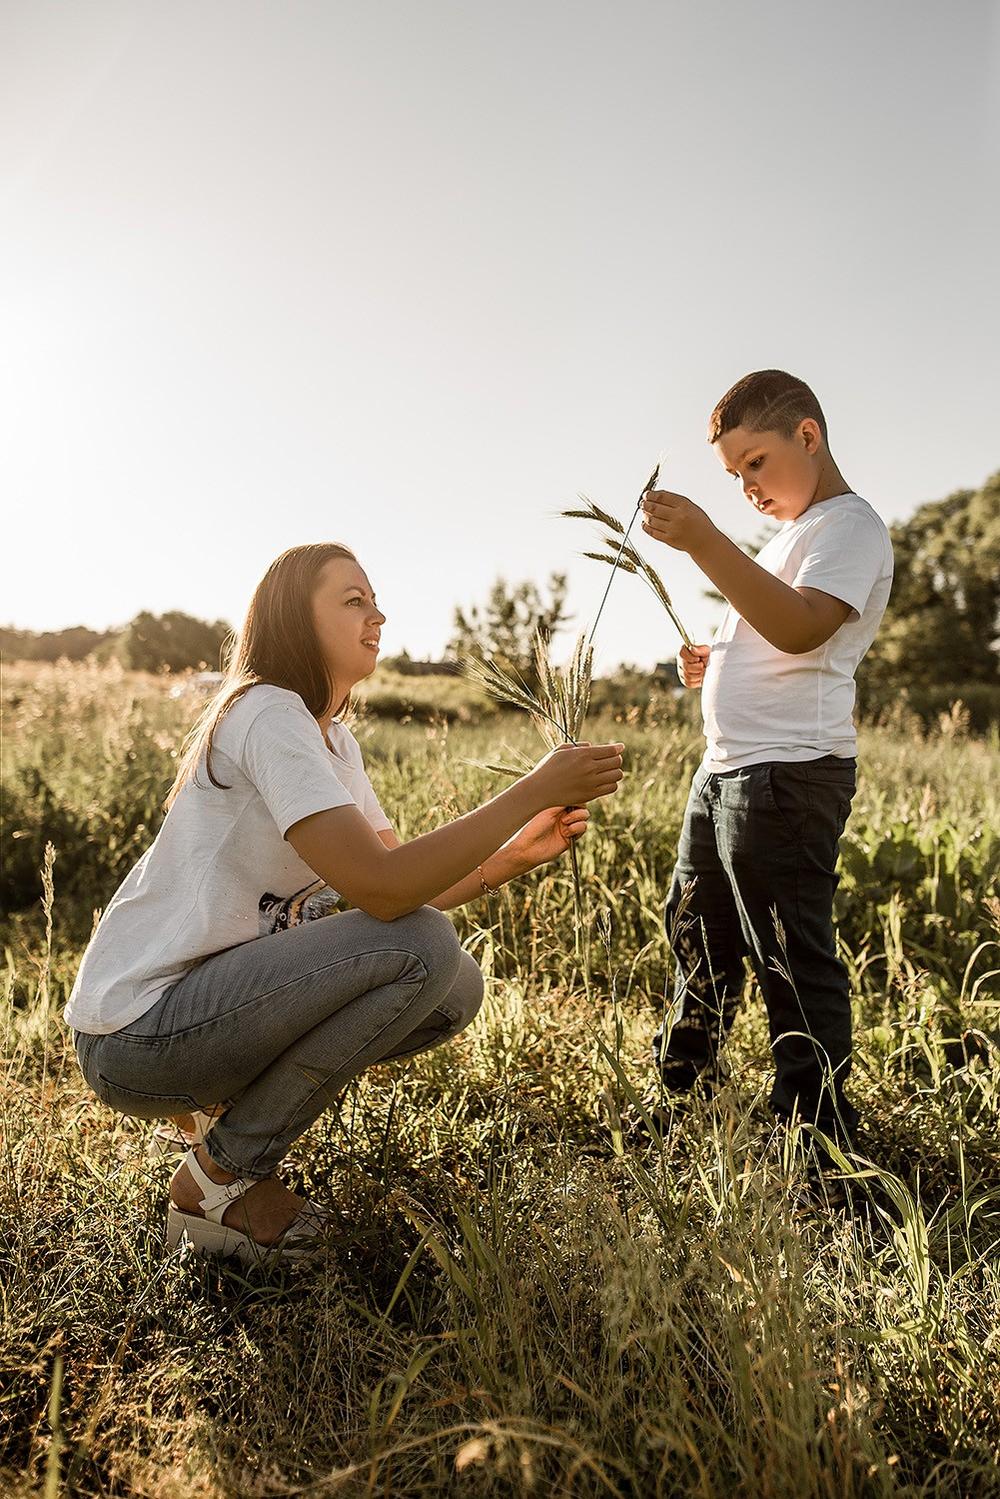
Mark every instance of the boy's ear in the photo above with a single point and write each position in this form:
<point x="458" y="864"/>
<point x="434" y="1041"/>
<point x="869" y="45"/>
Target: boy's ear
<point x="809" y="435"/>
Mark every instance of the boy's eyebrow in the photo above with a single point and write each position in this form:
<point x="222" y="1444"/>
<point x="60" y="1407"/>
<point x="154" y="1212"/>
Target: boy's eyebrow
<point x="740" y="459"/>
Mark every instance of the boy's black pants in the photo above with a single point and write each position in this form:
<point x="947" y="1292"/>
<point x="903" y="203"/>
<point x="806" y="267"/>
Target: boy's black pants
<point x="761" y="842"/>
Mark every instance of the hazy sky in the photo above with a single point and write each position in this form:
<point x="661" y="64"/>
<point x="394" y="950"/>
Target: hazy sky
<point x="411" y="275"/>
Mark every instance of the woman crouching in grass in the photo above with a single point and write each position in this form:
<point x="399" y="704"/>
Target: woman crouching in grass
<point x="176" y="1008"/>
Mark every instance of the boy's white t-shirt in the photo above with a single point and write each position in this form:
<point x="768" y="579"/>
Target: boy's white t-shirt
<point x="758" y="703"/>
<point x="220" y="871"/>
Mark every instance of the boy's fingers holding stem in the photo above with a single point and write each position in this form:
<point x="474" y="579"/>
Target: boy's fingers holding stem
<point x="661" y="504"/>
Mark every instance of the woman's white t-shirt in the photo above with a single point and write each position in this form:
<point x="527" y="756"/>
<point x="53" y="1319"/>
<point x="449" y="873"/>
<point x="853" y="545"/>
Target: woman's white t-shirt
<point x="220" y="871"/>
<point x="758" y="703"/>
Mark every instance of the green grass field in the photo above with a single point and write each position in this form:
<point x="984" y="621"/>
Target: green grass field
<point x="520" y="1298"/>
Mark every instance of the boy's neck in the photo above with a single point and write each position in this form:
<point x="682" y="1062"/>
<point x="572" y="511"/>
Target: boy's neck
<point x="830" y="482"/>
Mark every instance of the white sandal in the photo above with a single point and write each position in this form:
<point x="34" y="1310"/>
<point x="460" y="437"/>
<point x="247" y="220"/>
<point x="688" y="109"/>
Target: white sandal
<point x="168" y="1139"/>
<point x="209" y="1235"/>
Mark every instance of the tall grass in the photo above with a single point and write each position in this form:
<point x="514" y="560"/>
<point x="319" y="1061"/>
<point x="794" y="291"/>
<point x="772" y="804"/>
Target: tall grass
<point x="520" y="1298"/>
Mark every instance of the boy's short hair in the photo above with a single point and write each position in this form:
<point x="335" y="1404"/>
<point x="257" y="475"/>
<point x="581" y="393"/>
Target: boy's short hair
<point x="766" y="401"/>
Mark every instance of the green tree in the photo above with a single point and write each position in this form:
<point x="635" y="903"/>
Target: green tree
<point x="71" y="644"/>
<point x="942" y="625"/>
<point x="503" y="629"/>
<point x="171" y="642"/>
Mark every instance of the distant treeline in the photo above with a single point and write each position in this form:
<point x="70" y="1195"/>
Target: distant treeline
<point x="939" y="641"/>
<point x="150" y="642"/>
<point x="51" y="645"/>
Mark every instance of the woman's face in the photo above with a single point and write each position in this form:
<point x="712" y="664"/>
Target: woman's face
<point x="348" y="622"/>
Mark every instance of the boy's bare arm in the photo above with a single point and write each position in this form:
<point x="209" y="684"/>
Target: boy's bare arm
<point x="793" y="620"/>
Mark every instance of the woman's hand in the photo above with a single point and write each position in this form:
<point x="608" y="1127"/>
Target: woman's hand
<point x="575" y="774"/>
<point x="547" y="836"/>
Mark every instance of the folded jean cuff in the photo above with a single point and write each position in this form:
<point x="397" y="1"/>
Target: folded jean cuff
<point x="225" y="1162"/>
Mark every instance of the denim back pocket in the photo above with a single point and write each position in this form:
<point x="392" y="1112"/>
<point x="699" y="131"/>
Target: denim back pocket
<point x="139" y="1105"/>
<point x="95" y="1053"/>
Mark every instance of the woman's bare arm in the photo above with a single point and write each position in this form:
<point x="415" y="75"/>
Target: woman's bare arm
<point x="345" y="851"/>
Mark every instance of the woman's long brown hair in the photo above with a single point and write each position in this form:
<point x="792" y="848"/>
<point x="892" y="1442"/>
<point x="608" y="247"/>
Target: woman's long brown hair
<point x="277" y="645"/>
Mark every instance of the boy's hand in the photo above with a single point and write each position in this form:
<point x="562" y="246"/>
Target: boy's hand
<point x="675" y="520"/>
<point x="691" y="663"/>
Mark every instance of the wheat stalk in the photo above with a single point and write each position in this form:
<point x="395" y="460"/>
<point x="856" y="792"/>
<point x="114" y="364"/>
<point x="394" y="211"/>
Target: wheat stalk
<point x="510" y="687"/>
<point x="624" y="556"/>
<point x="624" y="532"/>
<point x="558" y="710"/>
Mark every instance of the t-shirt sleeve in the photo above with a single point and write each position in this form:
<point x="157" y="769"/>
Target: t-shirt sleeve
<point x="843" y="555"/>
<point x="364" y="791"/>
<point x="284" y="757"/>
<point x="369" y="803"/>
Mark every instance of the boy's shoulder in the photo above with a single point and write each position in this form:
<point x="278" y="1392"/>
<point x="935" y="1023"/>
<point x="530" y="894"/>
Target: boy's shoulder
<point x="843" y="511"/>
<point x="840" y="507"/>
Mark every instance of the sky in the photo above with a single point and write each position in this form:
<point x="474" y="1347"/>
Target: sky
<point x="414" y="276"/>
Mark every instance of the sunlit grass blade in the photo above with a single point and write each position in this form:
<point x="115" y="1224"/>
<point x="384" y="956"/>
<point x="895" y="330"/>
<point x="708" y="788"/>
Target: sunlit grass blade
<point x="595" y="513"/>
<point x="510" y="688"/>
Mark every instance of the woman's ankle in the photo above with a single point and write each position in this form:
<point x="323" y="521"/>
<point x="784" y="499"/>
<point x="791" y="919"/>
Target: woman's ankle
<point x="211" y="1168"/>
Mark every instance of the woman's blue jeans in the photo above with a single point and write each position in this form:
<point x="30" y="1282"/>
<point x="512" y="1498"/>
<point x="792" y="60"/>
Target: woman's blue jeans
<point x="277" y="1027"/>
<point x="761" y="845"/>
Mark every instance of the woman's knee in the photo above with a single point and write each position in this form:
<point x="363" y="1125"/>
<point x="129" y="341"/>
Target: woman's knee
<point x="430" y="936"/>
<point x="465" y="997"/>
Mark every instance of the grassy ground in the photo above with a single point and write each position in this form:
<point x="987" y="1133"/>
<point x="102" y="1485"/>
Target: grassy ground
<point x="519" y="1299"/>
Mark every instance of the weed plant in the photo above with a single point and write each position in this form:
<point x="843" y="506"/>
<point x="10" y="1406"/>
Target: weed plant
<point x="521" y="1298"/>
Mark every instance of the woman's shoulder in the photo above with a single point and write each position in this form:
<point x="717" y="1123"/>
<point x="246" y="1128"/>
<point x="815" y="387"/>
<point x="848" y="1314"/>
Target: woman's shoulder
<point x="237" y="720"/>
<point x="265" y="695"/>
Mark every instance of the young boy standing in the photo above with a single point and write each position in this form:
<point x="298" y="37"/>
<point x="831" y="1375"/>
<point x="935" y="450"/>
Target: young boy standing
<point x="769" y="801"/>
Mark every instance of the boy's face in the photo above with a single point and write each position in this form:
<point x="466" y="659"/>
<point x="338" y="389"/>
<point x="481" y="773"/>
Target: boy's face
<point x="779" y="474"/>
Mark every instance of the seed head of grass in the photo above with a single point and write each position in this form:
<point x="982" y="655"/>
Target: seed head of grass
<point x="649" y="484"/>
<point x="621" y="553"/>
<point x="558" y="707"/>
